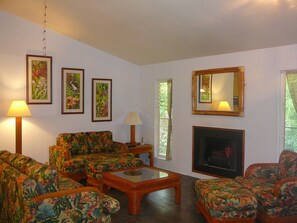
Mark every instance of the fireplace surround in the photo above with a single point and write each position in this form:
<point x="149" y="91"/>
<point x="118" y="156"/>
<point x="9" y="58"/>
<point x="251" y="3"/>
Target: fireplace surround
<point x="218" y="151"/>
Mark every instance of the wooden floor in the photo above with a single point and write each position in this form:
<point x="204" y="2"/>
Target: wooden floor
<point x="160" y="206"/>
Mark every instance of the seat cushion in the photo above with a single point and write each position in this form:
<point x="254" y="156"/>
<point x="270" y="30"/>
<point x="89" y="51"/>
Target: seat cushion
<point x="264" y="192"/>
<point x="267" y="202"/>
<point x="226" y="199"/>
<point x="94" y="169"/>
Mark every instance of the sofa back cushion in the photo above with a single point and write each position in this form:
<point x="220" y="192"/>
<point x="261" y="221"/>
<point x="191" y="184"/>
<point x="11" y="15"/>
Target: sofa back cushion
<point x="81" y="143"/>
<point x="100" y="142"/>
<point x="74" y="142"/>
<point x="46" y="176"/>
<point x="287" y="166"/>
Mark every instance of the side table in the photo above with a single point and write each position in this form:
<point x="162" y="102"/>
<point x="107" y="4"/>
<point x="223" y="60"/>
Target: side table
<point x="145" y="148"/>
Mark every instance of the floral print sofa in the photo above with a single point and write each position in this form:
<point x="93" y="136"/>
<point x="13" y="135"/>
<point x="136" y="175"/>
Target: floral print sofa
<point x="34" y="192"/>
<point x="275" y="187"/>
<point x="74" y="150"/>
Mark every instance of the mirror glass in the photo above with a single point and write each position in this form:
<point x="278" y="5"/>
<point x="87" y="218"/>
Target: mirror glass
<point x="218" y="91"/>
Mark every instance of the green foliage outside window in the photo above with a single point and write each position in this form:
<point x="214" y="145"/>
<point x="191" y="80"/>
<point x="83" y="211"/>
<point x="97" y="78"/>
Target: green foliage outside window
<point x="290" y="123"/>
<point x="163" y="102"/>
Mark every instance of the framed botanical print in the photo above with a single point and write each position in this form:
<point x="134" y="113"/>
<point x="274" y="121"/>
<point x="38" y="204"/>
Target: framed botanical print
<point x="39" y="79"/>
<point x="72" y="91"/>
<point x="101" y="100"/>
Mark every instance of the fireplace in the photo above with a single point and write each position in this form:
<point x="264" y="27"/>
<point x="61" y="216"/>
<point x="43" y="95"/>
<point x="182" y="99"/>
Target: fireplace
<point x="218" y="151"/>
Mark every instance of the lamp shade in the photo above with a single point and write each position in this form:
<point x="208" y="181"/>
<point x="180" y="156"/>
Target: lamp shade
<point x="133" y="119"/>
<point x="18" y="108"/>
<point x="224" y="106"/>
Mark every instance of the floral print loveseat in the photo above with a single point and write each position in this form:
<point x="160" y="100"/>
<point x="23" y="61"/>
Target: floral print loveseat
<point x="74" y="150"/>
<point x="275" y="187"/>
<point x="34" y="192"/>
<point x="268" y="188"/>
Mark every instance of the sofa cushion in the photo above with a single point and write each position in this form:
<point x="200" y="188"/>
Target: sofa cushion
<point x="66" y="183"/>
<point x="75" y="142"/>
<point x="287" y="164"/>
<point x="46" y="176"/>
<point x="18" y="161"/>
<point x="94" y="169"/>
<point x="99" y="142"/>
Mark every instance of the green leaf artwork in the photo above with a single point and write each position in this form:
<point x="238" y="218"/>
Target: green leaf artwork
<point x="102" y="99"/>
<point x="39" y="79"/>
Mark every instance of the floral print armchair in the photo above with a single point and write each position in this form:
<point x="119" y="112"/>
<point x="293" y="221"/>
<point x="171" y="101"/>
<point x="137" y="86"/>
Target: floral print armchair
<point x="34" y="192"/>
<point x="275" y="187"/>
<point x="73" y="150"/>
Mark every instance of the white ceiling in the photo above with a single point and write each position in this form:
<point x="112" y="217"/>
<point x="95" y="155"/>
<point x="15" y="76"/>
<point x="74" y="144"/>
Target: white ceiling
<point x="153" y="31"/>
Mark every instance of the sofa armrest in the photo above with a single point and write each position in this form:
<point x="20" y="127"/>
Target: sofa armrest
<point x="84" y="204"/>
<point x="120" y="147"/>
<point x="262" y="171"/>
<point x="58" y="156"/>
<point x="286" y="188"/>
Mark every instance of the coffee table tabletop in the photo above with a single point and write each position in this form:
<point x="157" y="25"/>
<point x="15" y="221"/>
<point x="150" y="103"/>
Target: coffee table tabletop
<point x="137" y="182"/>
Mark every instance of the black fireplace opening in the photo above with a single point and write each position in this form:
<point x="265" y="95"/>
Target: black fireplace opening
<point x="218" y="151"/>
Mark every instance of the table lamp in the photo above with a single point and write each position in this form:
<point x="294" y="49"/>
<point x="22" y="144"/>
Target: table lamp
<point x="132" y="119"/>
<point x="18" y="109"/>
<point x="224" y="106"/>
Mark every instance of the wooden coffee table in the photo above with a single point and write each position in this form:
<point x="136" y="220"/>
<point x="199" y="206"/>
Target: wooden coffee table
<point x="139" y="181"/>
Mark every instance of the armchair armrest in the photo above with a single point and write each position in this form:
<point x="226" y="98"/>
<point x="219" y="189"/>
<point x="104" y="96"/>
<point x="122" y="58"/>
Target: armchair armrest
<point x="262" y="170"/>
<point x="84" y="204"/>
<point x="286" y="188"/>
<point x="58" y="156"/>
<point x="120" y="147"/>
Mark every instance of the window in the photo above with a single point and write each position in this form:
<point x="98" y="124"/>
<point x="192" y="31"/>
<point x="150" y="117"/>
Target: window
<point x="163" y="119"/>
<point x="290" y="110"/>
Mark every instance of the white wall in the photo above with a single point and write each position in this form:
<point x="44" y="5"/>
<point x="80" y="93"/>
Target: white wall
<point x="18" y="38"/>
<point x="133" y="90"/>
<point x="262" y="103"/>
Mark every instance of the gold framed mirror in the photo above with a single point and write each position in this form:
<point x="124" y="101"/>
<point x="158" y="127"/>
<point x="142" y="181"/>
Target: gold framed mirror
<point x="218" y="91"/>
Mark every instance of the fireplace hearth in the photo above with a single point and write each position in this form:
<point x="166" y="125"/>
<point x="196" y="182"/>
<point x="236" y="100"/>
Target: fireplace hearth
<point x="218" y="151"/>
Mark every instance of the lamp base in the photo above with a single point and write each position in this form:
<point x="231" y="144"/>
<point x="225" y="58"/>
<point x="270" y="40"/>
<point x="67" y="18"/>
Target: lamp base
<point x="129" y="144"/>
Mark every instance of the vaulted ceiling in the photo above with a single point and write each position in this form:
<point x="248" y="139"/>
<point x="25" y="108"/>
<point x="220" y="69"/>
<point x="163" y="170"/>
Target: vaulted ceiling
<point x="153" y="31"/>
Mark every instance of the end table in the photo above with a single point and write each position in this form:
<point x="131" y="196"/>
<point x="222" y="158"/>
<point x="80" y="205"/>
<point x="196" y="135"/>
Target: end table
<point x="145" y="148"/>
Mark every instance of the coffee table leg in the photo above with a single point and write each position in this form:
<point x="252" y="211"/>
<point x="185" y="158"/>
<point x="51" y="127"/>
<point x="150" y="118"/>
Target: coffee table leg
<point x="134" y="200"/>
<point x="177" y="193"/>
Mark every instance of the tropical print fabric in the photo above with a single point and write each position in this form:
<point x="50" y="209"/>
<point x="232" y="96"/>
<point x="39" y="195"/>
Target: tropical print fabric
<point x="94" y="169"/>
<point x="275" y="185"/>
<point x="226" y="199"/>
<point x="85" y="206"/>
<point x="74" y="150"/>
<point x="46" y="176"/>
<point x="263" y="171"/>
<point x="33" y="192"/>
<point x="88" y="142"/>
<point x="16" y="190"/>
<point x="287" y="164"/>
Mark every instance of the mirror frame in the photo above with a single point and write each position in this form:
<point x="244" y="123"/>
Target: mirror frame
<point x="195" y="81"/>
